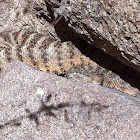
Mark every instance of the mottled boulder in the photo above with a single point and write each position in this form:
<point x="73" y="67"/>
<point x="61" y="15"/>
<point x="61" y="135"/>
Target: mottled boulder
<point x="112" y="26"/>
<point x="19" y="14"/>
<point x="38" y="105"/>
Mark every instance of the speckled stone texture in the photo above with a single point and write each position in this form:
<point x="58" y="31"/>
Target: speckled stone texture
<point x="35" y="105"/>
<point x="106" y="25"/>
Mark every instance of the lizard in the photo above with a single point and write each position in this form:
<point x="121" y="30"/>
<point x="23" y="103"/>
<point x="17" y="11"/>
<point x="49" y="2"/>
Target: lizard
<point x="48" y="54"/>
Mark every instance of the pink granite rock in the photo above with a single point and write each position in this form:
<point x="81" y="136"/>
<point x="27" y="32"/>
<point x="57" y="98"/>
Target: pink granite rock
<point x="41" y="106"/>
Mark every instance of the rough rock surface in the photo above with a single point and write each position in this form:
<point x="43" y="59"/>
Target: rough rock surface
<point x="107" y="25"/>
<point x="17" y="14"/>
<point x="38" y="105"/>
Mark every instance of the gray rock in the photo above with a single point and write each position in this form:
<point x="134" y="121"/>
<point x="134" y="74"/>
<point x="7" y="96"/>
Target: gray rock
<point x="37" y="105"/>
<point x="106" y="25"/>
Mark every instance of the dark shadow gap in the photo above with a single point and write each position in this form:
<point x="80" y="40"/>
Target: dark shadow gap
<point x="65" y="33"/>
